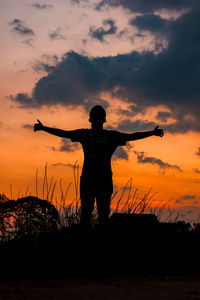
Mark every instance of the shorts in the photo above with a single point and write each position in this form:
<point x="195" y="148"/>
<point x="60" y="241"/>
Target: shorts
<point x="94" y="186"/>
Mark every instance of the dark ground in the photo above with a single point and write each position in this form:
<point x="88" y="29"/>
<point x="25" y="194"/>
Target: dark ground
<point x="119" y="261"/>
<point x="120" y="288"/>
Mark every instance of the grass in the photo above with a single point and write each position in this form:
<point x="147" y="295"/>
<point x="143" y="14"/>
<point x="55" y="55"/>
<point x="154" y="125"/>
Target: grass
<point x="129" y="201"/>
<point x="38" y="236"/>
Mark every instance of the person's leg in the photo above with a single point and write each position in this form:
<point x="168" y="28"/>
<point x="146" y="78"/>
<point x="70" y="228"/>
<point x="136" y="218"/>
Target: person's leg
<point x="103" y="208"/>
<point x="87" y="200"/>
<point x="87" y="206"/>
<point x="104" y="192"/>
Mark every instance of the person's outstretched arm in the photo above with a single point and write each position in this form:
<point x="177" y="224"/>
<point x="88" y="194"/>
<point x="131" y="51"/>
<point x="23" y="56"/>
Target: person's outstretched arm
<point x="142" y="135"/>
<point x="58" y="132"/>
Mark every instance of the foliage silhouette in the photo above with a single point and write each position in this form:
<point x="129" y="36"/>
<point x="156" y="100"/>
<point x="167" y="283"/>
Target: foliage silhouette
<point x="27" y="216"/>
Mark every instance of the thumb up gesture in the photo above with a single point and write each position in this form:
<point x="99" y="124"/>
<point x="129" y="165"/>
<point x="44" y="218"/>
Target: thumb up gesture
<point x="158" y="132"/>
<point x="38" y="126"/>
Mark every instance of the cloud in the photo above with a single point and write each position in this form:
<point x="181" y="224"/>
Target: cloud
<point x="198" y="152"/>
<point x="78" y="1"/>
<point x="137" y="125"/>
<point x="150" y="22"/>
<point x="195" y="170"/>
<point x="188" y="197"/>
<point x="120" y="153"/>
<point x="185" y="198"/>
<point x="23" y="99"/>
<point x="179" y="125"/>
<point x="146" y="6"/>
<point x="40" y="66"/>
<point x="42" y="6"/>
<point x="169" y="78"/>
<point x="19" y="27"/>
<point x="101" y="32"/>
<point x="67" y="146"/>
<point x="46" y="64"/>
<point x="143" y="159"/>
<point x="163" y="116"/>
<point x="56" y="35"/>
<point x="28" y="42"/>
<point x="65" y="165"/>
<point x="28" y="126"/>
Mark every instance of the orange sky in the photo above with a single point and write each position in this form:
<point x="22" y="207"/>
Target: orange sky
<point x="23" y="151"/>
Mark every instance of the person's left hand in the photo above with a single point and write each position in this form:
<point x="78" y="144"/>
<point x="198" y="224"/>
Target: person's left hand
<point x="158" y="132"/>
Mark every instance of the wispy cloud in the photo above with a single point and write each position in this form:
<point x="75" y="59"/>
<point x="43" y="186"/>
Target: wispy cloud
<point x="65" y="165"/>
<point x="28" y="42"/>
<point x="27" y="126"/>
<point x="42" y="6"/>
<point x="19" y="27"/>
<point x="56" y="35"/>
<point x="46" y="63"/>
<point x="185" y="198"/>
<point x="120" y="153"/>
<point x="143" y="159"/>
<point x="196" y="170"/>
<point x="67" y="146"/>
<point x="101" y="32"/>
<point x="198" y="152"/>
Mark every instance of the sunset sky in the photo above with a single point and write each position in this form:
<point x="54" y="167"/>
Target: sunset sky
<point x="139" y="59"/>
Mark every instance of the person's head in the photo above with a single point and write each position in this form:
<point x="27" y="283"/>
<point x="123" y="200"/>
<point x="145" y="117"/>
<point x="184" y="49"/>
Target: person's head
<point x="97" y="115"/>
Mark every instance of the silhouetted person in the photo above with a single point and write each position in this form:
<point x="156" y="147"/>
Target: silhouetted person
<point x="98" y="146"/>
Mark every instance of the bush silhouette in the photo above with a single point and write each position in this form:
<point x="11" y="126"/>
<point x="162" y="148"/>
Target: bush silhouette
<point x="28" y="215"/>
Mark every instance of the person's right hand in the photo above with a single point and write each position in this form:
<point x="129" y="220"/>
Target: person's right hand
<point x="38" y="126"/>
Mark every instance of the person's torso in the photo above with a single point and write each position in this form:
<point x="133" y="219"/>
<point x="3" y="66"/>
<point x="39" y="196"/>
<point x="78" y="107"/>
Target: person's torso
<point x="98" y="148"/>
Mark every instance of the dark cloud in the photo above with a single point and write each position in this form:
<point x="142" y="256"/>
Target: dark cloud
<point x="46" y="64"/>
<point x="56" y="35"/>
<point x="64" y="165"/>
<point x="188" y="197"/>
<point x="78" y="1"/>
<point x="136" y="126"/>
<point x="23" y="99"/>
<point x="182" y="126"/>
<point x="68" y="146"/>
<point x="169" y="78"/>
<point x="74" y="81"/>
<point x="150" y="22"/>
<point x="185" y="198"/>
<point x="19" y="27"/>
<point x="178" y="126"/>
<point x="28" y="126"/>
<point x="120" y="153"/>
<point x="42" y="67"/>
<point x="73" y="166"/>
<point x="197" y="171"/>
<point x="42" y="6"/>
<point x="143" y="159"/>
<point x="101" y="32"/>
<point x="163" y="116"/>
<point x="198" y="152"/>
<point x="146" y="6"/>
